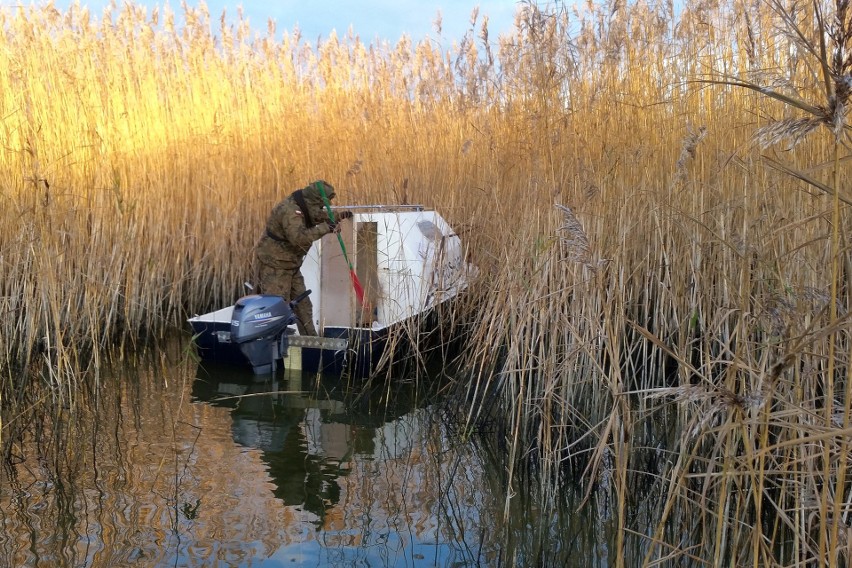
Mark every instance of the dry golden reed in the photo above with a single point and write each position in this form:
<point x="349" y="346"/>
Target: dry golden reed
<point x="615" y="171"/>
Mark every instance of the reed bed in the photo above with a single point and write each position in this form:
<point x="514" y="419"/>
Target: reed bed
<point x="655" y="201"/>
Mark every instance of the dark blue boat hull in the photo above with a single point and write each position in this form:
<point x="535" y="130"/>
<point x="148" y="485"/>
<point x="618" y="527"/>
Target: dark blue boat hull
<point x="362" y="356"/>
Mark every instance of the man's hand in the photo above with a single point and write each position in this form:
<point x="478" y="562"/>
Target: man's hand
<point x="343" y="215"/>
<point x="333" y="227"/>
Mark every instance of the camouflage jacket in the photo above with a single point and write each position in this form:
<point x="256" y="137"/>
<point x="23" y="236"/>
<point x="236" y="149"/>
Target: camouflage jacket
<point x="292" y="228"/>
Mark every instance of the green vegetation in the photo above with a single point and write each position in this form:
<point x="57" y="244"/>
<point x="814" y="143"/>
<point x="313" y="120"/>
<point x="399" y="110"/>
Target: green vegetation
<point x="656" y="200"/>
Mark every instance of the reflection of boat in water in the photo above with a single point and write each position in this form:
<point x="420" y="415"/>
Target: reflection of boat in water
<point x="306" y="426"/>
<point x="411" y="264"/>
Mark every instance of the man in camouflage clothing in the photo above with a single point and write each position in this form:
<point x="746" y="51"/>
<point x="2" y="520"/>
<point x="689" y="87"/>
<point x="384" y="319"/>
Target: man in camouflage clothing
<point x="294" y="224"/>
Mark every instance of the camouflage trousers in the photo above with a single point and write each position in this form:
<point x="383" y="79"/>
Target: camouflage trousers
<point x="288" y="283"/>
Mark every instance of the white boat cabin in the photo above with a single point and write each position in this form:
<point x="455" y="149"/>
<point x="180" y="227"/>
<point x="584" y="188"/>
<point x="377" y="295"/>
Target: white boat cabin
<point x="406" y="258"/>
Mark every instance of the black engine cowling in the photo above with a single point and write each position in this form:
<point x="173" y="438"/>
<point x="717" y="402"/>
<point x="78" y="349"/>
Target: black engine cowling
<point x="259" y="325"/>
<point x="260" y="316"/>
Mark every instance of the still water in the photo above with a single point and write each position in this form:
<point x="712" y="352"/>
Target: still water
<point x="168" y="462"/>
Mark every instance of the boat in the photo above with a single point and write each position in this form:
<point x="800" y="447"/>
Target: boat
<point x="386" y="273"/>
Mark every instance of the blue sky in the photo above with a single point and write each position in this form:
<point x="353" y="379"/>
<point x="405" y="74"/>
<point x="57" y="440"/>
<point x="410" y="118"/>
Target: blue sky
<point x="370" y="19"/>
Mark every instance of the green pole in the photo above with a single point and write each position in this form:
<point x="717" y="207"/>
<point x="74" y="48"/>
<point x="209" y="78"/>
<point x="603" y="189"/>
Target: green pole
<point x="359" y="290"/>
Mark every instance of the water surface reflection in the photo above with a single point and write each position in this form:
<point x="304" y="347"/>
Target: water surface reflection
<point x="163" y="462"/>
<point x="170" y="464"/>
<point x="369" y="474"/>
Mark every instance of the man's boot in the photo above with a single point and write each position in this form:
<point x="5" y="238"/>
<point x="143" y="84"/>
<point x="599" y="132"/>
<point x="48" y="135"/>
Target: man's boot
<point x="304" y="317"/>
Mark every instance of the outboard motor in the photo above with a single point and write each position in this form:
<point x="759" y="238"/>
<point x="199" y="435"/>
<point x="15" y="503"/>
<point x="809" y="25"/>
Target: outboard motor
<point x="259" y="326"/>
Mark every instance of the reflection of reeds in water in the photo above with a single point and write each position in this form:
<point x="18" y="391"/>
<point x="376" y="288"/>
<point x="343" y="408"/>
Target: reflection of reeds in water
<point x="135" y="187"/>
<point x="133" y="474"/>
<point x="144" y="473"/>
